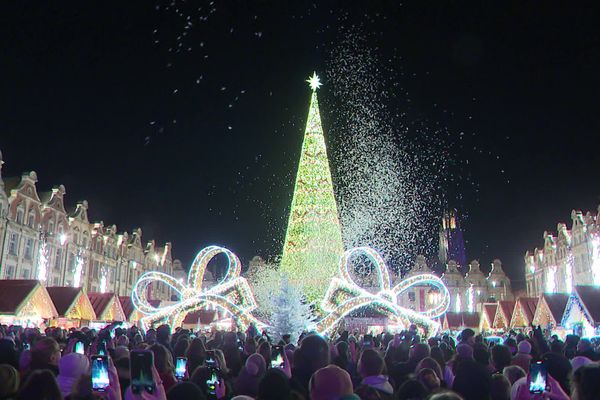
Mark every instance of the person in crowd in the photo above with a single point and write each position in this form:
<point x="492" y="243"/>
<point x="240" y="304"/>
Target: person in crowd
<point x="523" y="357"/>
<point x="247" y="381"/>
<point x="331" y="382"/>
<point x="370" y="369"/>
<point x="274" y="385"/>
<point x="501" y="357"/>
<point x="471" y="380"/>
<point x="203" y="374"/>
<point x="481" y="354"/>
<point x="8" y="352"/>
<point x="412" y="389"/>
<point x="585" y="382"/>
<point x="499" y="387"/>
<point x="9" y="382"/>
<point x="559" y="367"/>
<point x="464" y="352"/>
<point x="430" y="363"/>
<point x="438" y="355"/>
<point x="70" y="369"/>
<point x="181" y="347"/>
<point x="163" y="361"/>
<point x="196" y="354"/>
<point x="185" y="391"/>
<point x="585" y="349"/>
<point x="342" y="359"/>
<point x="401" y="371"/>
<point x="429" y="379"/>
<point x="163" y="336"/>
<point x="45" y="354"/>
<point x="40" y="384"/>
<point x="311" y="355"/>
<point x="467" y="336"/>
<point x="513" y="373"/>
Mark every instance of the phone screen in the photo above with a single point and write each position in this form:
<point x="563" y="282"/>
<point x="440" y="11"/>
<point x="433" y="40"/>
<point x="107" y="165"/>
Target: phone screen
<point x="180" y="367"/>
<point x="212" y="381"/>
<point x="211" y="360"/>
<point x="141" y="362"/>
<point x="79" y="348"/>
<point x="25" y="346"/>
<point x="100" y="373"/>
<point x="277" y="360"/>
<point x="538" y="377"/>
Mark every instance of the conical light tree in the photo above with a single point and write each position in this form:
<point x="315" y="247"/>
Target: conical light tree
<point x="313" y="241"/>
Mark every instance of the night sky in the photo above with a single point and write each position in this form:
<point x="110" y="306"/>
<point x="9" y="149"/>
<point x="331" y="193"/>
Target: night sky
<point x="200" y="146"/>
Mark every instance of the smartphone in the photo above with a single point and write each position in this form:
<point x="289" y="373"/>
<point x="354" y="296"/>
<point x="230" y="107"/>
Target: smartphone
<point x="538" y="377"/>
<point x="277" y="360"/>
<point x="211" y="382"/>
<point x="100" y="379"/>
<point x="211" y="360"/>
<point x="80" y="349"/>
<point x="180" y="368"/>
<point x="140" y="363"/>
<point x="26" y="346"/>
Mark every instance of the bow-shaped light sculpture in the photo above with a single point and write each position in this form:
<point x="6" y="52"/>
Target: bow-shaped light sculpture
<point x="232" y="293"/>
<point x="345" y="296"/>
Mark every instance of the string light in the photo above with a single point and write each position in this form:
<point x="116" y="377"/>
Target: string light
<point x="78" y="269"/>
<point x="345" y="296"/>
<point x="232" y="294"/>
<point x="470" y="299"/>
<point x="43" y="260"/>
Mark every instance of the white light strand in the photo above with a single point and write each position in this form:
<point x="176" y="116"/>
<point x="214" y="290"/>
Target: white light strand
<point x="470" y="299"/>
<point x="42" y="274"/>
<point x="78" y="269"/>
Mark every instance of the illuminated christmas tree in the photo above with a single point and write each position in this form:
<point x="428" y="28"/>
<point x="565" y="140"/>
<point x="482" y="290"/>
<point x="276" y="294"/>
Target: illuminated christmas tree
<point x="313" y="241"/>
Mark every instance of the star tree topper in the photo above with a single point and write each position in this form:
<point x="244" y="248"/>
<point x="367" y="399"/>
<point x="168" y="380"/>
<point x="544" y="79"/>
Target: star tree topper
<point x="314" y="81"/>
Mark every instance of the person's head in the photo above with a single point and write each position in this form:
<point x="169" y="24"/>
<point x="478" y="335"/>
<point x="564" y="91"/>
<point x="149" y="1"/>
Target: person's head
<point x="464" y="351"/>
<point x="255" y="365"/>
<point x="558" y="347"/>
<point x="559" y="367"/>
<point x="73" y="365"/>
<point x="412" y="389"/>
<point x="467" y="336"/>
<point x="430" y="363"/>
<point x="163" y="334"/>
<point x="501" y="357"/>
<point x="163" y="360"/>
<point x="471" y="380"/>
<point x="429" y="379"/>
<point x="481" y="354"/>
<point x="265" y="350"/>
<point x="184" y="391"/>
<point x="45" y="351"/>
<point x="579" y="361"/>
<point x="513" y="373"/>
<point x="446" y="395"/>
<point x="342" y="350"/>
<point x="221" y="361"/>
<point x="585" y="383"/>
<point x="584" y="345"/>
<point x="274" y="385"/>
<point x="419" y="351"/>
<point x="524" y="347"/>
<point x="9" y="377"/>
<point x="370" y="363"/>
<point x="511" y="343"/>
<point x="500" y="387"/>
<point x="123" y="340"/>
<point x="438" y="355"/>
<point x="40" y="385"/>
<point x="181" y="347"/>
<point x="330" y="382"/>
<point x="312" y="354"/>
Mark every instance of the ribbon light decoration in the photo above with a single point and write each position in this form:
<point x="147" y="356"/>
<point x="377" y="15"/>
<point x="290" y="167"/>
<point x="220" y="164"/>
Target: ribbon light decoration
<point x="345" y="296"/>
<point x="231" y="294"/>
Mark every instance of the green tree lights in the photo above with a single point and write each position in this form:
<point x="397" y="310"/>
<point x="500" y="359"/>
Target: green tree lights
<point x="313" y="241"/>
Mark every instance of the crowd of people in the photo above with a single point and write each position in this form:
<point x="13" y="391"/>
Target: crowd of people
<point x="48" y="365"/>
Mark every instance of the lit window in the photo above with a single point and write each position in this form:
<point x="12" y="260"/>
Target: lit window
<point x="31" y="218"/>
<point x="29" y="249"/>
<point x="20" y="213"/>
<point x="13" y="244"/>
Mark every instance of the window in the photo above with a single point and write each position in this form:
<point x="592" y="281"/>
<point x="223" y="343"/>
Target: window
<point x="30" y="218"/>
<point x="20" y="214"/>
<point x="25" y="274"/>
<point x="29" y="249"/>
<point x="10" y="272"/>
<point x="58" y="259"/>
<point x="95" y="270"/>
<point x="51" y="225"/>
<point x="13" y="244"/>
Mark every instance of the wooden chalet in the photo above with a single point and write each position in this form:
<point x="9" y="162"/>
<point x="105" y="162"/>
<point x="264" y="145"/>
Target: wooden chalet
<point x="132" y="315"/>
<point x="25" y="302"/>
<point x="582" y="312"/>
<point x="550" y="310"/>
<point x="523" y="313"/>
<point x="73" y="307"/>
<point x="455" y="321"/>
<point x="503" y="315"/>
<point x="107" y="307"/>
<point x="488" y="313"/>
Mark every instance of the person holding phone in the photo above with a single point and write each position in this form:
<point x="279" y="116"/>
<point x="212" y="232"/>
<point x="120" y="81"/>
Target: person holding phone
<point x="70" y="368"/>
<point x="538" y="384"/>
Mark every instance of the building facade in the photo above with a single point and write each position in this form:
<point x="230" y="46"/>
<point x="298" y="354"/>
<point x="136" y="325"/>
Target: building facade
<point x="568" y="258"/>
<point x="40" y="239"/>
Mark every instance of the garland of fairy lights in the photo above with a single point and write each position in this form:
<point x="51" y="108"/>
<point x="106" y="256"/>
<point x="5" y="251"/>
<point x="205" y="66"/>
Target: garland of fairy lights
<point x="231" y="294"/>
<point x="345" y="296"/>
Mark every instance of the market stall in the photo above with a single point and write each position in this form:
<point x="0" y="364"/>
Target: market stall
<point x="582" y="312"/>
<point x="503" y="315"/>
<point x="488" y="314"/>
<point x="523" y="313"/>
<point x="107" y="308"/>
<point x="457" y="321"/>
<point x="73" y="307"/>
<point x="25" y="302"/>
<point x="550" y="310"/>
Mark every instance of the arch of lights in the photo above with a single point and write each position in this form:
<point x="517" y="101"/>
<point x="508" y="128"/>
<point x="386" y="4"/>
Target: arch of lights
<point x="231" y="294"/>
<point x="345" y="296"/>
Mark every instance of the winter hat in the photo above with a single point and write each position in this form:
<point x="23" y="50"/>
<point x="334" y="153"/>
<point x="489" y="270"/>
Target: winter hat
<point x="73" y="365"/>
<point x="330" y="382"/>
<point x="242" y="397"/>
<point x="524" y="347"/>
<point x="464" y="350"/>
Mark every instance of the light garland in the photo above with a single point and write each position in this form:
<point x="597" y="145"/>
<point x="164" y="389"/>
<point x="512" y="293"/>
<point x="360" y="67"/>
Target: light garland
<point x="103" y="281"/>
<point x="345" y="296"/>
<point x="551" y="279"/>
<point x="569" y="273"/>
<point x="457" y="303"/>
<point x="232" y="294"/>
<point x="470" y="299"/>
<point x="78" y="269"/>
<point x="596" y="259"/>
<point x="42" y="274"/>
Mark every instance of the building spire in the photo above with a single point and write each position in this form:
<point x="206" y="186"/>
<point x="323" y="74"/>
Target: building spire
<point x="313" y="241"/>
